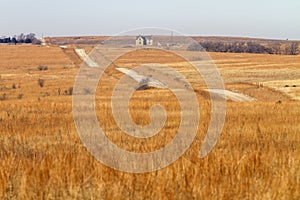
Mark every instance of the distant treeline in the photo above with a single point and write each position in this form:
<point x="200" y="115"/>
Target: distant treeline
<point x="246" y="47"/>
<point x="22" y="38"/>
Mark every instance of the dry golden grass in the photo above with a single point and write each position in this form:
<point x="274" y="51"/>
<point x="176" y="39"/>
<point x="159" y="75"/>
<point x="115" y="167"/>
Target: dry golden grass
<point x="288" y="87"/>
<point x="42" y="157"/>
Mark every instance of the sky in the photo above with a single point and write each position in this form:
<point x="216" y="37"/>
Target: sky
<point x="276" y="19"/>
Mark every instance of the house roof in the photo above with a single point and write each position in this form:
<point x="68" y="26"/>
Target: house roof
<point x="138" y="37"/>
<point x="144" y="37"/>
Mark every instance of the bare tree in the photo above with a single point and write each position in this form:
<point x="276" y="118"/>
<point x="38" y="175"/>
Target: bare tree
<point x="21" y="38"/>
<point x="276" y="48"/>
<point x="292" y="48"/>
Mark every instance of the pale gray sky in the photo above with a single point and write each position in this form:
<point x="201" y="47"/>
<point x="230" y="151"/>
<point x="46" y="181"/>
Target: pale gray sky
<point x="276" y="19"/>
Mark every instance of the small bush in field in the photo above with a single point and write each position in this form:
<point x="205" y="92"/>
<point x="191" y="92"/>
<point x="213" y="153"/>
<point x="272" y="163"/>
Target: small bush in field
<point x="3" y="97"/>
<point x="42" y="68"/>
<point x="70" y="90"/>
<point x="20" y="96"/>
<point x="41" y="82"/>
<point x="14" y="86"/>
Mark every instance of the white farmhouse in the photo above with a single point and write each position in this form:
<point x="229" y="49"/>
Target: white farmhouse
<point x="143" y="40"/>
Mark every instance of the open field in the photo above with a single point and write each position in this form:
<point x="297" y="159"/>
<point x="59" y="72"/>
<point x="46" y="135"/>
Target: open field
<point x="42" y="157"/>
<point x="289" y="87"/>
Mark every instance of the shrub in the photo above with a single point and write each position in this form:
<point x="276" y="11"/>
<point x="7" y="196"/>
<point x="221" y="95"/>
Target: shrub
<point x="3" y="97"/>
<point x="41" y="82"/>
<point x="70" y="90"/>
<point x="42" y="68"/>
<point x="20" y="96"/>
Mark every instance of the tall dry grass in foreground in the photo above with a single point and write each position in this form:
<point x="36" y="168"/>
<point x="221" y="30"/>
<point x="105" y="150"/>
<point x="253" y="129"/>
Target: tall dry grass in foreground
<point x="257" y="157"/>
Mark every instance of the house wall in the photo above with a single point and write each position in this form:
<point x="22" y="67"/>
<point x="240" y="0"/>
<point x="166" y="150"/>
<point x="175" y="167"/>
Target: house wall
<point x="139" y="42"/>
<point x="149" y="42"/>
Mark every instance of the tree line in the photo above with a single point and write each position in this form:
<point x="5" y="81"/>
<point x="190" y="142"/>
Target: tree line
<point x="22" y="38"/>
<point x="246" y="47"/>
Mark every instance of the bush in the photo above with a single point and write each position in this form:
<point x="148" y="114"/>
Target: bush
<point x="3" y="97"/>
<point x="41" y="82"/>
<point x="20" y="96"/>
<point x="42" y="68"/>
<point x="70" y="90"/>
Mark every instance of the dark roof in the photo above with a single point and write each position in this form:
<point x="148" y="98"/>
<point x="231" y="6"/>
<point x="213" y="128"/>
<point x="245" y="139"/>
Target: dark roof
<point x="144" y="37"/>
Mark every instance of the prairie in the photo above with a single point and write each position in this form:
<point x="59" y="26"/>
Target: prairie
<point x="42" y="157"/>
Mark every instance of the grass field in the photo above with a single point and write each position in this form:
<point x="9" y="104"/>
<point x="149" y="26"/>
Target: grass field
<point x="42" y="157"/>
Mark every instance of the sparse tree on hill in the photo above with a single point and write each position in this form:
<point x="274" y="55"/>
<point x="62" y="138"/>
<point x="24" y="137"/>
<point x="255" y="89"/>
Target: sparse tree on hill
<point x="21" y="38"/>
<point x="292" y="49"/>
<point x="14" y="40"/>
<point x="276" y="48"/>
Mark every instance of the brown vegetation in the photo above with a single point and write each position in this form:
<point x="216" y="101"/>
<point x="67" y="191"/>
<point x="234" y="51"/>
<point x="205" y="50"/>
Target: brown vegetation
<point x="42" y="157"/>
